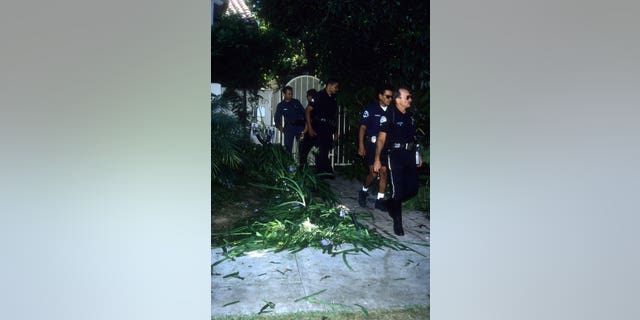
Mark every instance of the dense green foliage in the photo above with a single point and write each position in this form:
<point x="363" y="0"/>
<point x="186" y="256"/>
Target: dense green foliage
<point x="242" y="53"/>
<point x="246" y="57"/>
<point x="359" y="42"/>
<point x="227" y="139"/>
<point x="363" y="44"/>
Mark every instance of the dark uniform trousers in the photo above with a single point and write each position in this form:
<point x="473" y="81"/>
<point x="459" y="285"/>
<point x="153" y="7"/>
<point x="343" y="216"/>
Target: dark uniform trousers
<point x="291" y="131"/>
<point x="305" y="147"/>
<point x="324" y="141"/>
<point x="404" y="174"/>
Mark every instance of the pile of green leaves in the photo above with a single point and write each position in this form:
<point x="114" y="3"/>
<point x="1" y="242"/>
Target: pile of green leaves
<point x="299" y="211"/>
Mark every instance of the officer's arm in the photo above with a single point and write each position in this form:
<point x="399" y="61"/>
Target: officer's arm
<point x="304" y="114"/>
<point x="307" y="116"/>
<point x="382" y="136"/>
<point x="335" y="133"/>
<point x="361" y="149"/>
<point x="277" y="119"/>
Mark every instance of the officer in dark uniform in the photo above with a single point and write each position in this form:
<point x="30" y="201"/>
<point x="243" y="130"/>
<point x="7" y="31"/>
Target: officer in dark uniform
<point x="322" y="120"/>
<point x="306" y="141"/>
<point x="367" y="137"/>
<point x="293" y="113"/>
<point x="398" y="135"/>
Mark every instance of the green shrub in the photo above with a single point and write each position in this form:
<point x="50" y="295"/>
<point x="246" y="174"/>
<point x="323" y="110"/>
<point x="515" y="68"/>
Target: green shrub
<point x="227" y="141"/>
<point x="274" y="169"/>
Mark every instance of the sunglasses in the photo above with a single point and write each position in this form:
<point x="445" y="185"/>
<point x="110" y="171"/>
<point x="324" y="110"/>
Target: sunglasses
<point x="388" y="97"/>
<point x="409" y="97"/>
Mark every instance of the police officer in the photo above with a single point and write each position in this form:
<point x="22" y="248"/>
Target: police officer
<point x="306" y="141"/>
<point x="293" y="113"/>
<point x="398" y="135"/>
<point x="367" y="137"/>
<point x="322" y="120"/>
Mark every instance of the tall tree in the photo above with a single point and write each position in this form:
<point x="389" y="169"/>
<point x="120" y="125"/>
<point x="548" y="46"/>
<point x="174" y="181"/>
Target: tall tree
<point x="363" y="43"/>
<point x="244" y="57"/>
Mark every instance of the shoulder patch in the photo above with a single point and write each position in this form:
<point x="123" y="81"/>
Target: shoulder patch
<point x="383" y="119"/>
<point x="365" y="114"/>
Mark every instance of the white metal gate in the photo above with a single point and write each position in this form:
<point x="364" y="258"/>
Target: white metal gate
<point x="338" y="154"/>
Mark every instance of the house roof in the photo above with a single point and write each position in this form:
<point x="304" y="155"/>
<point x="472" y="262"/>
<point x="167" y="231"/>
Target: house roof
<point x="240" y="8"/>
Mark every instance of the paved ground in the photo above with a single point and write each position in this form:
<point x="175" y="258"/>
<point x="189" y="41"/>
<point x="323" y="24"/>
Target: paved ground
<point x="385" y="279"/>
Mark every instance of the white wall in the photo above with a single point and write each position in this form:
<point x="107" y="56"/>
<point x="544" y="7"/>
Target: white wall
<point x="216" y="89"/>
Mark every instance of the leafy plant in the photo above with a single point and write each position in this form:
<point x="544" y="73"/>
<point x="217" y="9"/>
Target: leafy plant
<point x="246" y="57"/>
<point x="227" y="139"/>
<point x="275" y="170"/>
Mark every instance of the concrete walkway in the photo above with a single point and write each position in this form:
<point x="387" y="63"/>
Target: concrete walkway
<point x="386" y="279"/>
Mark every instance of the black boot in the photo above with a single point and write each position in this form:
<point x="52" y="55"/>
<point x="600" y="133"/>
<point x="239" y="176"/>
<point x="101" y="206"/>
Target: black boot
<point x="397" y="225"/>
<point x="397" y="218"/>
<point x="362" y="198"/>
<point x="381" y="205"/>
<point x="390" y="210"/>
<point x="395" y="211"/>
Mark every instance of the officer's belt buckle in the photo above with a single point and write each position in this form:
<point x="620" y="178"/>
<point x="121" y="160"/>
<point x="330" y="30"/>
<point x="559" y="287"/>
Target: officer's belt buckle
<point x="404" y="146"/>
<point x="373" y="139"/>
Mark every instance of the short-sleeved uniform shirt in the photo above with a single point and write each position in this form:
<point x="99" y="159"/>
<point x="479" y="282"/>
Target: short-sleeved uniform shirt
<point x="371" y="119"/>
<point x="325" y="109"/>
<point x="291" y="110"/>
<point x="400" y="127"/>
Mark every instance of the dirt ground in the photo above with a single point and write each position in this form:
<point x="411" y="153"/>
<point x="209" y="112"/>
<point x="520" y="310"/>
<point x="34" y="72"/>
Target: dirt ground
<point x="235" y="208"/>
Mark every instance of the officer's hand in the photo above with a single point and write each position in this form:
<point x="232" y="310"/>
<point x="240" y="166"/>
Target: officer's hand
<point x="312" y="132"/>
<point x="376" y="165"/>
<point x="361" y="151"/>
<point x="420" y="164"/>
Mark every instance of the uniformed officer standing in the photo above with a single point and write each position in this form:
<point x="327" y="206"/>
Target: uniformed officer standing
<point x="367" y="137"/>
<point x="293" y="113"/>
<point x="398" y="135"/>
<point x="306" y="141"/>
<point x="322" y="120"/>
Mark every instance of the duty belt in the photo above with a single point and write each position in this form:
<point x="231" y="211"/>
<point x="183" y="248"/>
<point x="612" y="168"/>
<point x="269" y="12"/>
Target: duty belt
<point x="404" y="146"/>
<point x="325" y="121"/>
<point x="296" y="122"/>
